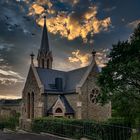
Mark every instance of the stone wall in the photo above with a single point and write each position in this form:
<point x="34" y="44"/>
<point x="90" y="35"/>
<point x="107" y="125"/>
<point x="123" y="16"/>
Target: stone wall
<point x="91" y="110"/>
<point x="9" y="111"/>
<point x="31" y="86"/>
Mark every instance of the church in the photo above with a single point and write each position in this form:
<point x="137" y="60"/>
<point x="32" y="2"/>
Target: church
<point x="55" y="93"/>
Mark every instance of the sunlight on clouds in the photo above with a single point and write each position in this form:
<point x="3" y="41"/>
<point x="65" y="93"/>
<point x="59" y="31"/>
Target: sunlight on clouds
<point x="91" y="13"/>
<point x="37" y="9"/>
<point x="8" y="81"/>
<point x="84" y="59"/>
<point x="69" y="25"/>
<point x="9" y="97"/>
<point x="11" y="73"/>
<point x="10" y="77"/>
<point x="77" y="56"/>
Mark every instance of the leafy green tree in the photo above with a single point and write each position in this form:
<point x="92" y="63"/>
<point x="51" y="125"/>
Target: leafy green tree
<point x="120" y="79"/>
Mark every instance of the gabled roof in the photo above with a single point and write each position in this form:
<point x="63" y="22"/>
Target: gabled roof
<point x="47" y="77"/>
<point x="70" y="79"/>
<point x="68" y="108"/>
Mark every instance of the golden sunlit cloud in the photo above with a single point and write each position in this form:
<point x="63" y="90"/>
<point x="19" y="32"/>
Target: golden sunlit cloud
<point x="78" y="57"/>
<point x="84" y="59"/>
<point x="66" y="24"/>
<point x="37" y="9"/>
<point x="71" y="28"/>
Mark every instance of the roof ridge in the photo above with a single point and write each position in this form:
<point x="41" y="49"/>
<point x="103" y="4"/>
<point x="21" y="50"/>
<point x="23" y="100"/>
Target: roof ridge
<point x="63" y="71"/>
<point x="78" y="68"/>
<point x="50" y="69"/>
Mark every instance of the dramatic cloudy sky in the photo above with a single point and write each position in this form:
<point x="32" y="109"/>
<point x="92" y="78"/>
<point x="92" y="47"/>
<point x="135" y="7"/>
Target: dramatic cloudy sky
<point x="75" y="28"/>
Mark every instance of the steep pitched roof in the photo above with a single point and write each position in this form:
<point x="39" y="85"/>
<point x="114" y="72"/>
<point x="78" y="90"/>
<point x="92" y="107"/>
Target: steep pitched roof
<point x="74" y="77"/>
<point x="47" y="77"/>
<point x="68" y="108"/>
<point x="45" y="41"/>
<point x="70" y="79"/>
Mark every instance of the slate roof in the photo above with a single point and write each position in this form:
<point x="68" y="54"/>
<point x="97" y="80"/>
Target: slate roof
<point x="70" y="79"/>
<point x="69" y="109"/>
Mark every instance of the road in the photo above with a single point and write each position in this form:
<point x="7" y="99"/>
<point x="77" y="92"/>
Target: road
<point x="26" y="136"/>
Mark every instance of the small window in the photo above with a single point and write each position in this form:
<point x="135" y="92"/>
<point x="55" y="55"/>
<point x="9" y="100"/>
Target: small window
<point x="58" y="110"/>
<point x="93" y="95"/>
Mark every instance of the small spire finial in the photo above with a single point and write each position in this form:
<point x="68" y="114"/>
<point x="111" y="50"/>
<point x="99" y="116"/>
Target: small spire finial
<point x="45" y="20"/>
<point x="32" y="58"/>
<point x="93" y="52"/>
<point x="93" y="55"/>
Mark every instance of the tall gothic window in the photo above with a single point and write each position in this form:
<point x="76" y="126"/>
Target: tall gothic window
<point x="28" y="106"/>
<point x="32" y="105"/>
<point x="93" y="95"/>
<point x="48" y="63"/>
<point x="43" y="63"/>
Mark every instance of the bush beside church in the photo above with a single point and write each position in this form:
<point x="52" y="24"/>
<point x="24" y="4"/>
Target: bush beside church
<point x="112" y="129"/>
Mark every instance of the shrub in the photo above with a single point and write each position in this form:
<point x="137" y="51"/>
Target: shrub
<point x="9" y="122"/>
<point x="113" y="130"/>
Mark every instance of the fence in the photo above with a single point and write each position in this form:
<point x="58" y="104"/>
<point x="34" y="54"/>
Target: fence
<point x="93" y="131"/>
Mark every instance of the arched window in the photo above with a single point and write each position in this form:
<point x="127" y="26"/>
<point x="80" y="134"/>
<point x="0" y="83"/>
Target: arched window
<point x="28" y="106"/>
<point x="93" y="95"/>
<point x="48" y="63"/>
<point x="42" y="63"/>
<point x="58" y="110"/>
<point x="32" y="105"/>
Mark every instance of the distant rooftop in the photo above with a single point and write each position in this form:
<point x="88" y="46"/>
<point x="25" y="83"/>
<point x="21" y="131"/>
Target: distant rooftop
<point x="10" y="102"/>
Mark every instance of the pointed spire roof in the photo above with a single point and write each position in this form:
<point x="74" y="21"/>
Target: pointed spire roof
<point x="45" y="41"/>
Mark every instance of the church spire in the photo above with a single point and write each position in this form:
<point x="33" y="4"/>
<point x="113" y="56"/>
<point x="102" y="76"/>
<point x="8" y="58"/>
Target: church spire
<point x="44" y="54"/>
<point x="45" y="41"/>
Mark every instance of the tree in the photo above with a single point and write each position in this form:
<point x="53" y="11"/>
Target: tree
<point x="120" y="79"/>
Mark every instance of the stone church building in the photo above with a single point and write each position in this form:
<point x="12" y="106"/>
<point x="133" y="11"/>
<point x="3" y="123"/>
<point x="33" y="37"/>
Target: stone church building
<point x="70" y="94"/>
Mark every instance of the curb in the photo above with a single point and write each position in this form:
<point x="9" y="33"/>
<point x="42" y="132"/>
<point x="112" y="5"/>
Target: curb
<point x="48" y="134"/>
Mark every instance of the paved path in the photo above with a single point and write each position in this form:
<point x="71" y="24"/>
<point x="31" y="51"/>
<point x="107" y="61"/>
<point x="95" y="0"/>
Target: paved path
<point x="26" y="136"/>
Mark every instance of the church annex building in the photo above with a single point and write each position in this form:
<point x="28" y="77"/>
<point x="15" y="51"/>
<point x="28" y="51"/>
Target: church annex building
<point x="50" y="92"/>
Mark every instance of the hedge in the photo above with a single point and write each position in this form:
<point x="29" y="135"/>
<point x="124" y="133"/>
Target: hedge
<point x="83" y="128"/>
<point x="9" y="122"/>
